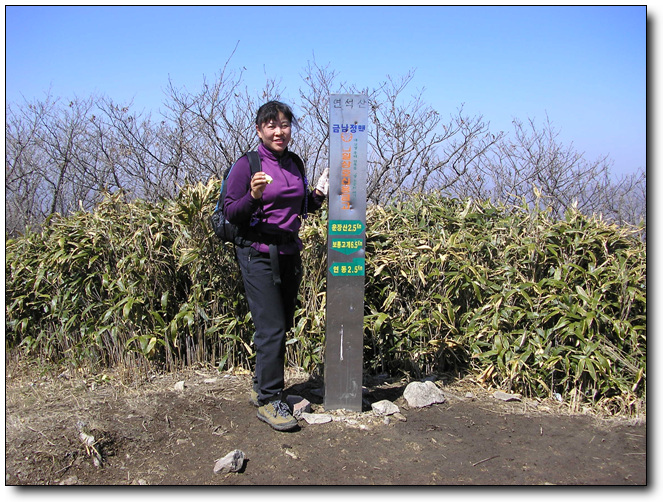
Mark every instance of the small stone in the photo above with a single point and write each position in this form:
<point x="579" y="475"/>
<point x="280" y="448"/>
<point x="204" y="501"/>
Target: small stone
<point x="400" y="417"/>
<point x="469" y="395"/>
<point x="304" y="406"/>
<point x="232" y="462"/>
<point x="503" y="396"/>
<point x="316" y="418"/>
<point x="179" y="385"/>
<point x="298" y="405"/>
<point x="384" y="407"/>
<point x="292" y="399"/>
<point x="421" y="394"/>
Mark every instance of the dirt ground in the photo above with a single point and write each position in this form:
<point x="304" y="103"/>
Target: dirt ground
<point x="152" y="433"/>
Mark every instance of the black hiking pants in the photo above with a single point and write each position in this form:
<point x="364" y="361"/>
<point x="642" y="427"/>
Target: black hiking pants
<point x="272" y="308"/>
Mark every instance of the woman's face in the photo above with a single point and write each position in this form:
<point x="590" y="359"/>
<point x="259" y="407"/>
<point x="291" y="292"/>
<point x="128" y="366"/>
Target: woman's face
<point x="275" y="134"/>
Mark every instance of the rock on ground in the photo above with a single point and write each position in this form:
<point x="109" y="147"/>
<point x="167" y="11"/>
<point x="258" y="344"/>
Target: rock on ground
<point x="504" y="396"/>
<point x="298" y="405"/>
<point x="232" y="462"/>
<point x="420" y="394"/>
<point x="384" y="407"/>
<point x="316" y="418"/>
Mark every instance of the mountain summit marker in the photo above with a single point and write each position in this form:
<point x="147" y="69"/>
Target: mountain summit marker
<point x="346" y="242"/>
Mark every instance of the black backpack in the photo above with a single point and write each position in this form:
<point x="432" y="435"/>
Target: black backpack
<point x="229" y="232"/>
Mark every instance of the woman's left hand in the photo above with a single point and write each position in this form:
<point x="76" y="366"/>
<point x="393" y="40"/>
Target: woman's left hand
<point x="323" y="182"/>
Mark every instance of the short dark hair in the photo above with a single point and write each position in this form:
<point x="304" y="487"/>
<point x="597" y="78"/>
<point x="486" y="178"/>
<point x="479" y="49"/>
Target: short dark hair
<point x="270" y="111"/>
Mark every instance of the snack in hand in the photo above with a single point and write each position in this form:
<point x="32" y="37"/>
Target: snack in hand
<point x="268" y="178"/>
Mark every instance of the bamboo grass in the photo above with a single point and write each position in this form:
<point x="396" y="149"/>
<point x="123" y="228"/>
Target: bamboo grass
<point x="519" y="300"/>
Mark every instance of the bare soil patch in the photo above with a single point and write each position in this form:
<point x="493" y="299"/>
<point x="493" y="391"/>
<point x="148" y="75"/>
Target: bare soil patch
<point x="150" y="433"/>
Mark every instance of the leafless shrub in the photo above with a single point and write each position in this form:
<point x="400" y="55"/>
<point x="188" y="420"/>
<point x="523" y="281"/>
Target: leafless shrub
<point x="62" y="156"/>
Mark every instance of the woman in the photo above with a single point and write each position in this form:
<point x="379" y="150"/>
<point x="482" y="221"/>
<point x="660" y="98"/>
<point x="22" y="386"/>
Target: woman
<point x="272" y="203"/>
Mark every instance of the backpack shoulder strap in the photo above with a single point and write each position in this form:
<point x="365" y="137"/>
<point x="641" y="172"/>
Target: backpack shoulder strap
<point x="299" y="163"/>
<point x="254" y="162"/>
<point x="302" y="170"/>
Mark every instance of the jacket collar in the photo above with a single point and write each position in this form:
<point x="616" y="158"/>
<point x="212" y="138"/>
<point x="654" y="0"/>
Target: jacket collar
<point x="271" y="155"/>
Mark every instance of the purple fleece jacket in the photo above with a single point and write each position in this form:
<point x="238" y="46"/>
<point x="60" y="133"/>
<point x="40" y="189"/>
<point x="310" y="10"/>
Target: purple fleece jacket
<point x="279" y="209"/>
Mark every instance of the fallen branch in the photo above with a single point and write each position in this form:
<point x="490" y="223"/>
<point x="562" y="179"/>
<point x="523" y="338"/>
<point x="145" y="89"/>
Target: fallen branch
<point x="484" y="460"/>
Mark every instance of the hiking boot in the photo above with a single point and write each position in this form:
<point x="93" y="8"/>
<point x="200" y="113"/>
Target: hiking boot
<point x="277" y="414"/>
<point x="253" y="398"/>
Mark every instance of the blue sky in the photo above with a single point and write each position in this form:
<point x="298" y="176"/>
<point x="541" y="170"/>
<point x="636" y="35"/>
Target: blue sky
<point x="583" y="67"/>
